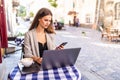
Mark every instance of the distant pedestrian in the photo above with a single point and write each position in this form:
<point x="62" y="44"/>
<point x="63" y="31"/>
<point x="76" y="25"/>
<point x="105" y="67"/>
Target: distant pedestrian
<point x="56" y="24"/>
<point x="77" y="22"/>
<point x="70" y="23"/>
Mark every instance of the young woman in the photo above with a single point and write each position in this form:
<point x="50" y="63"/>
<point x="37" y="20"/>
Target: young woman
<point x="40" y="36"/>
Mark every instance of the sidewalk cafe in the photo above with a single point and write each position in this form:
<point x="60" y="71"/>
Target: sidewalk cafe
<point x="112" y="34"/>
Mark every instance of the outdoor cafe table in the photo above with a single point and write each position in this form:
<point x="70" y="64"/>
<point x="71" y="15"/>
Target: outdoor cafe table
<point x="64" y="73"/>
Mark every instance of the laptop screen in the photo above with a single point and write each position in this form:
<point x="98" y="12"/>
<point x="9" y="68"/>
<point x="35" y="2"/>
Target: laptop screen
<point x="59" y="58"/>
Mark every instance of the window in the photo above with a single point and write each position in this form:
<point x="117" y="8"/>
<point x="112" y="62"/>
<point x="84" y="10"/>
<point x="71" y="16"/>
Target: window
<point x="88" y="18"/>
<point x="117" y="11"/>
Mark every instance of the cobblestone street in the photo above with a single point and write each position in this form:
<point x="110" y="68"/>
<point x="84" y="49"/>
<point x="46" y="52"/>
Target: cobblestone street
<point x="98" y="59"/>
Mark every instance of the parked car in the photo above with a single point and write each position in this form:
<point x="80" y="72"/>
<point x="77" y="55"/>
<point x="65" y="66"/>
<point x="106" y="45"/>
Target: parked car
<point x="59" y="25"/>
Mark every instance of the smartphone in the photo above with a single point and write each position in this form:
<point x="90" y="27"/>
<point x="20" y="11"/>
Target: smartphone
<point x="63" y="44"/>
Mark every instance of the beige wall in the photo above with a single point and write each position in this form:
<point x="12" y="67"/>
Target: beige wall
<point x="109" y="13"/>
<point x="64" y="6"/>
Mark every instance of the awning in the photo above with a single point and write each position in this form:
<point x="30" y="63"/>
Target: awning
<point x="72" y="13"/>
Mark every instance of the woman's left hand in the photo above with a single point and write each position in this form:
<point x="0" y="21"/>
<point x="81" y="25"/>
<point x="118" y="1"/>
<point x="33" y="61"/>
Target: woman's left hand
<point x="37" y="59"/>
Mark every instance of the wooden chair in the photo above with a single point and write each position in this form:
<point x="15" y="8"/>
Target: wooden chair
<point x="109" y="34"/>
<point x="103" y="33"/>
<point x="113" y="35"/>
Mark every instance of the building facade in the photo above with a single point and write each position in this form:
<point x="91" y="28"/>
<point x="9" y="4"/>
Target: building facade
<point x="110" y="13"/>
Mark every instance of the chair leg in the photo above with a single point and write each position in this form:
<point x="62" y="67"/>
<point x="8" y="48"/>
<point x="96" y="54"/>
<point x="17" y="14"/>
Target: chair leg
<point x="102" y="36"/>
<point x="109" y="38"/>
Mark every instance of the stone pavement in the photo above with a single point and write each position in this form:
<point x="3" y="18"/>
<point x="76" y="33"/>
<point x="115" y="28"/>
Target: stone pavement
<point x="11" y="60"/>
<point x="98" y="59"/>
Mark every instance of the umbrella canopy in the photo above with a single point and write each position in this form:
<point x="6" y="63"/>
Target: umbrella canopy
<point x="72" y="13"/>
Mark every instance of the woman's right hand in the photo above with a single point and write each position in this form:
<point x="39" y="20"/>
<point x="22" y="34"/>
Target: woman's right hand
<point x="37" y="59"/>
<point x="60" y="47"/>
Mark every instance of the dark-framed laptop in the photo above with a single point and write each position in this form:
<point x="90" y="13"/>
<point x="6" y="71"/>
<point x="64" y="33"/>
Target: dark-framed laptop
<point x="53" y="59"/>
<point x="59" y="58"/>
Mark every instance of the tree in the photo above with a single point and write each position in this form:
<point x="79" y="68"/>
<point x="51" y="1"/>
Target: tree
<point x="53" y="3"/>
<point x="22" y="11"/>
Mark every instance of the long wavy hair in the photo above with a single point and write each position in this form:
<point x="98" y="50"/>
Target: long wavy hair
<point x="41" y="13"/>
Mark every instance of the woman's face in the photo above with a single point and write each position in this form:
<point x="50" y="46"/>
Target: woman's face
<point x="45" y="21"/>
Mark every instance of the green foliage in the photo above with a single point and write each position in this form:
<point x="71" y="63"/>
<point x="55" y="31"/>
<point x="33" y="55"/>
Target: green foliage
<point x="50" y="0"/>
<point x="31" y="14"/>
<point x="20" y="34"/>
<point x="53" y="3"/>
<point x="22" y="11"/>
<point x="62" y="20"/>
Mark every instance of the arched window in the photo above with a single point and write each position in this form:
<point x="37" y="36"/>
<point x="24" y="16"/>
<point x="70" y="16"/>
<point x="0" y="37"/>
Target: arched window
<point x="117" y="11"/>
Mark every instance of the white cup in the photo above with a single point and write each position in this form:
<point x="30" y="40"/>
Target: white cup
<point x="27" y="62"/>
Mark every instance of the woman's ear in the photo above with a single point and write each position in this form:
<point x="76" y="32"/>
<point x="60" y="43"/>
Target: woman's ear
<point x="38" y="19"/>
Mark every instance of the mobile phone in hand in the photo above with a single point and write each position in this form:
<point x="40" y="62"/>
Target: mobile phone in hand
<point x="63" y="44"/>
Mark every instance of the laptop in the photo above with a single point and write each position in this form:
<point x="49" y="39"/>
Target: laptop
<point x="59" y="58"/>
<point x="53" y="59"/>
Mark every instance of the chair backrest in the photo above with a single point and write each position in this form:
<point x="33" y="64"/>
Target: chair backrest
<point x="23" y="51"/>
<point x="23" y="48"/>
